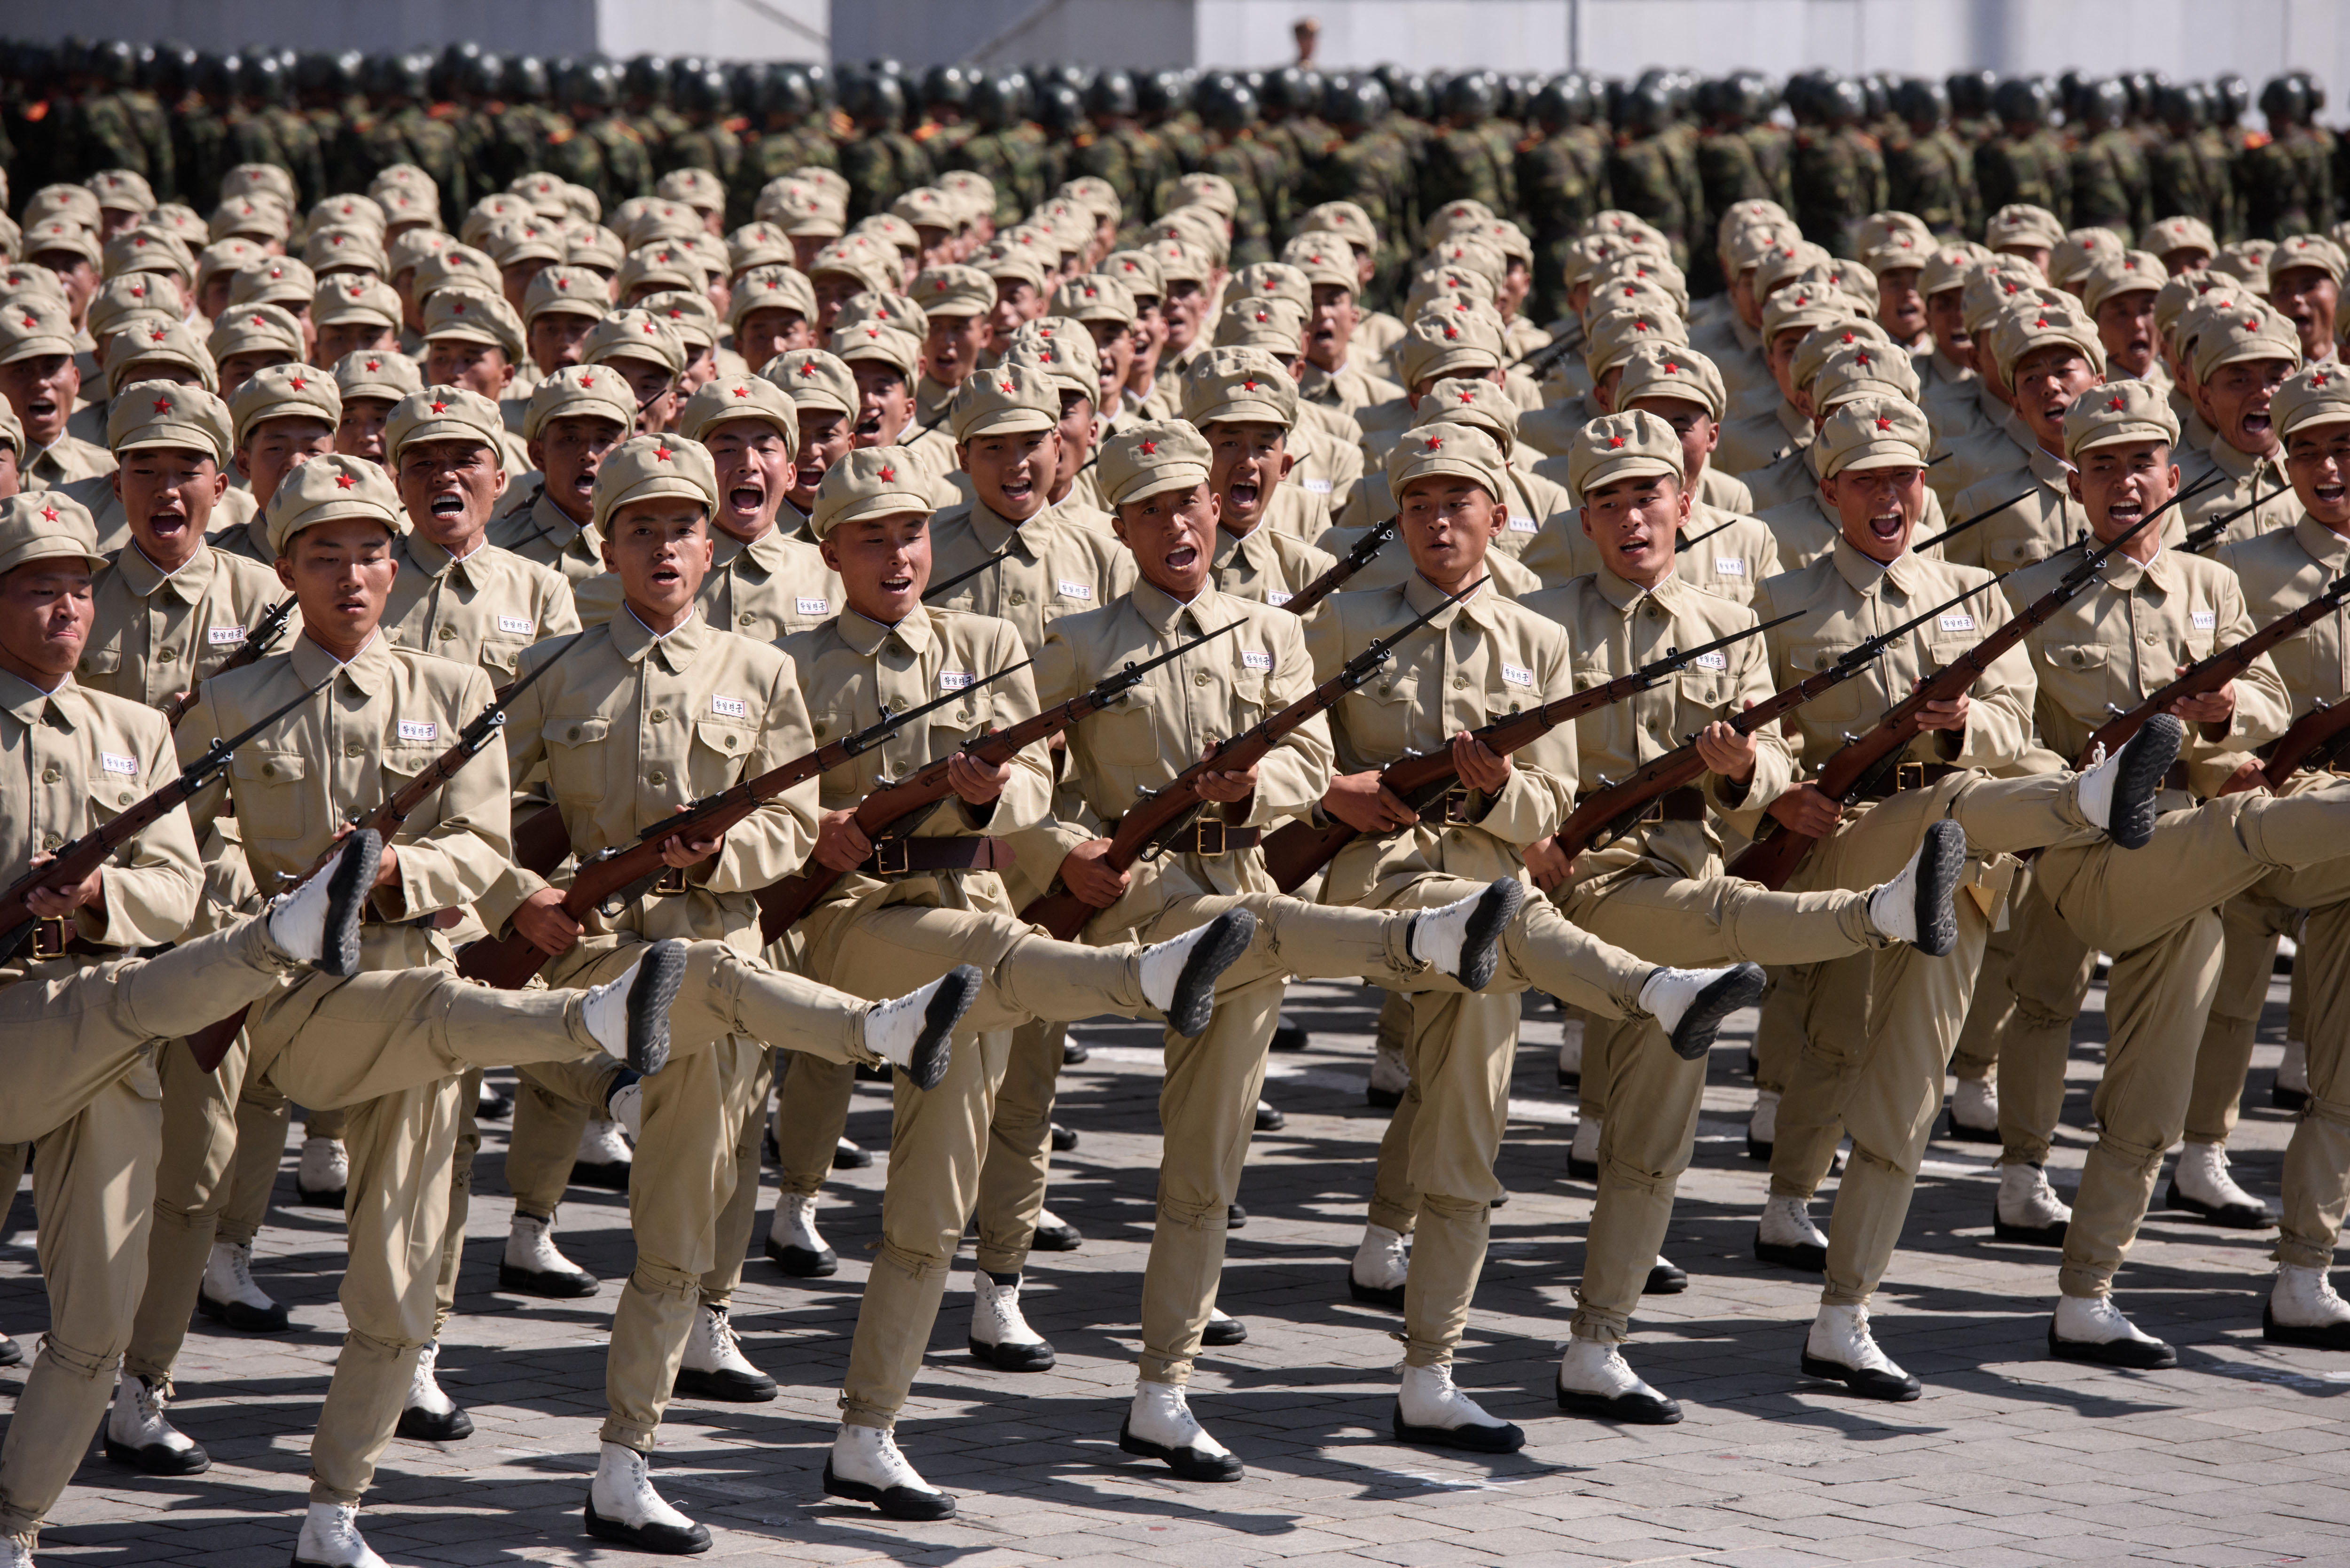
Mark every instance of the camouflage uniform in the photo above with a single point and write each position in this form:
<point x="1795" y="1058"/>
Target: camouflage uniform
<point x="1457" y="166"/>
<point x="105" y="135"/>
<point x="2033" y="169"/>
<point x="1839" y="179"/>
<point x="773" y="155"/>
<point x="1644" y="178"/>
<point x="880" y="167"/>
<point x="298" y="140"/>
<point x="1238" y="162"/>
<point x="2110" y="185"/>
<point x="1558" y="203"/>
<point x="1933" y="176"/>
<point x="2187" y="177"/>
<point x="154" y="127"/>
<point x="1135" y="162"/>
<point x="519" y="139"/>
<point x="1374" y="171"/>
<point x="1774" y="155"/>
<point x="199" y="145"/>
<point x="2272" y="178"/>
<point x="1010" y="165"/>
<point x="574" y="155"/>
<point x="627" y="162"/>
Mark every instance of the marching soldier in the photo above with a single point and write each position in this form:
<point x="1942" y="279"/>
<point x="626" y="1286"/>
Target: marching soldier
<point x="2242" y="351"/>
<point x="576" y="416"/>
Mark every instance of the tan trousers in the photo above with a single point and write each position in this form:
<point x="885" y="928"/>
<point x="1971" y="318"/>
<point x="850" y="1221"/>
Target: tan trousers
<point x="1649" y="1097"/>
<point x="1779" y="1035"/>
<point x="198" y="1151"/>
<point x="1013" y="1176"/>
<point x="2251" y="925"/>
<point x="815" y="1098"/>
<point x="1975" y="1060"/>
<point x="1880" y="1027"/>
<point x="2050" y="980"/>
<point x="2317" y="1161"/>
<point x="77" y="1053"/>
<point x="542" y="1145"/>
<point x="2154" y="910"/>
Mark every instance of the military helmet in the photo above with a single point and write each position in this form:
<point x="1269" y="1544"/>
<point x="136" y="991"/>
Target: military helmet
<point x="1059" y="109"/>
<point x="114" y="62"/>
<point x="1922" y="101"/>
<point x="1226" y="103"/>
<point x="2021" y="100"/>
<point x="2230" y="96"/>
<point x="787" y="93"/>
<point x="1283" y="91"/>
<point x="2284" y="102"/>
<point x="2179" y="104"/>
<point x="1840" y="99"/>
<point x="2314" y="88"/>
<point x="2104" y="102"/>
<point x="1113" y="93"/>
<point x="1970" y="92"/>
<point x="525" y="79"/>
<point x="1877" y="92"/>
<point x="1642" y="110"/>
<point x="646" y="77"/>
<point x="948" y="85"/>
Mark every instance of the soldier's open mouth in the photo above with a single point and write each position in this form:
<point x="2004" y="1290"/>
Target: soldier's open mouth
<point x="746" y="497"/>
<point x="2255" y="424"/>
<point x="897" y="585"/>
<point x="1182" y="555"/>
<point x="2331" y="493"/>
<point x="447" y="506"/>
<point x="1018" y="489"/>
<point x="1888" y="526"/>
<point x="167" y="523"/>
<point x="1244" y="496"/>
<point x="871" y="424"/>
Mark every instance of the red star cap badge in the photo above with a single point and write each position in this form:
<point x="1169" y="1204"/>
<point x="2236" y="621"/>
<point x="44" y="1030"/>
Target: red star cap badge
<point x="374" y="364"/>
<point x="1451" y="332"/>
<point x="458" y="308"/>
<point x="438" y="407"/>
<point x="565" y="283"/>
<point x="1010" y="388"/>
<point x="1884" y="424"/>
<point x="1468" y="397"/>
<point x="2114" y="403"/>
<point x="1847" y="337"/>
<point x="296" y="382"/>
<point x="162" y="405"/>
<point x="1614" y="441"/>
<point x="157" y="336"/>
<point x="808" y="370"/>
<point x="742" y="391"/>
<point x="1150" y="448"/>
<point x="889" y="476"/>
<point x="661" y="454"/>
<point x="32" y="321"/>
<point x="648" y="328"/>
<point x="1434" y="443"/>
<point x="344" y="480"/>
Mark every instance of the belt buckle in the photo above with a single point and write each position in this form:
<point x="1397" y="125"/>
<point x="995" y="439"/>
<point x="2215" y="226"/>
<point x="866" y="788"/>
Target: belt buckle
<point x="1653" y="812"/>
<point x="669" y="883"/>
<point x="1908" y="776"/>
<point x="49" y="937"/>
<point x="893" y="857"/>
<point x="1207" y="837"/>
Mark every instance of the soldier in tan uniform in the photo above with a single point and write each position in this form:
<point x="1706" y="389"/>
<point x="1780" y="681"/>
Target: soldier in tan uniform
<point x="1482" y="659"/>
<point x="1754" y="442"/>
<point x="651" y="709"/>
<point x="822" y="392"/>
<point x="82" y="1074"/>
<point x="2242" y="351"/>
<point x="2049" y="357"/>
<point x="1879" y="1028"/>
<point x="647" y="356"/>
<point x="1946" y="373"/>
<point x="2278" y="573"/>
<point x="559" y="309"/>
<point x="40" y="382"/>
<point x="371" y="384"/>
<point x="577" y="414"/>
<point x="392" y="1041"/>
<point x="956" y="302"/>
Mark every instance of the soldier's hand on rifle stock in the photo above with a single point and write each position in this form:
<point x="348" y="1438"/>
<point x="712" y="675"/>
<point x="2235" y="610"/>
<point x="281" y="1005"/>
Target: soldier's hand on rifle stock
<point x="840" y="844"/>
<point x="1550" y="866"/>
<point x="975" y="783"/>
<point x="1360" y="802"/>
<point x="1083" y="874"/>
<point x="543" y="925"/>
<point x="55" y="903"/>
<point x="1805" y="810"/>
<point x="1480" y="767"/>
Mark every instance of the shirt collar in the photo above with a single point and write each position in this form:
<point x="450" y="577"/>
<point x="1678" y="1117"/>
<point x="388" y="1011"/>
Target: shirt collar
<point x="2237" y="465"/>
<point x="1799" y="429"/>
<point x="634" y="639"/>
<point x="2326" y="547"/>
<point x="554" y="524"/>
<point x="768" y="552"/>
<point x="1625" y="594"/>
<point x="2123" y="571"/>
<point x="999" y="532"/>
<point x="2050" y="470"/>
<point x="1422" y="596"/>
<point x="1949" y="370"/>
<point x="366" y="669"/>
<point x="27" y="702"/>
<point x="144" y="576"/>
<point x="1165" y="613"/>
<point x="866" y="635"/>
<point x="1865" y="574"/>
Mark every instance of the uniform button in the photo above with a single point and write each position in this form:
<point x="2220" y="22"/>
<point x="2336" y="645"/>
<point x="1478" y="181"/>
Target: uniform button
<point x="353" y="749"/>
<point x="730" y="741"/>
<point x="165" y="655"/>
<point x="1019" y="595"/>
<point x="747" y="619"/>
<point x="575" y="732"/>
<point x="269" y="770"/>
<point x="657" y="777"/>
<point x="50" y="841"/>
<point x="126" y="798"/>
<point x="1199" y="678"/>
<point x="661" y="715"/>
<point x="1461" y="683"/>
<point x="448" y="634"/>
<point x="49" y="775"/>
<point x="819" y="732"/>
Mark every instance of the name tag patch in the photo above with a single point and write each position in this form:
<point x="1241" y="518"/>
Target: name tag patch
<point x="418" y="730"/>
<point x="1517" y="677"/>
<point x="127" y="766"/>
<point x="1728" y="566"/>
<point x="218" y="635"/>
<point x="1958" y="621"/>
<point x="814" y="606"/>
<point x="1252" y="659"/>
<point x="1277" y="598"/>
<point x="955" y="680"/>
<point x="1318" y="486"/>
<point x="1523" y="525"/>
<point x="1712" y="661"/>
<point x="729" y="706"/>
<point x="2205" y="620"/>
<point x="518" y="625"/>
<point x="1076" y="590"/>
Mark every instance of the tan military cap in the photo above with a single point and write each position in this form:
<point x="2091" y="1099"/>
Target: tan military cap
<point x="443" y="413"/>
<point x="1277" y="325"/>
<point x="1809" y="309"/>
<point x="345" y="249"/>
<point x="697" y="188"/>
<point x="153" y="343"/>
<point x="381" y="374"/>
<point x="757" y="243"/>
<point x="799" y="209"/>
<point x="122" y="191"/>
<point x="327" y="489"/>
<point x="891" y="230"/>
<point x="1473" y="254"/>
<point x="406" y="210"/>
<point x="1177" y="262"/>
<point x="592" y="392"/>
<point x="350" y="209"/>
<point x="1327" y="259"/>
<point x="595" y="247"/>
<point x="145" y="249"/>
<point x="1993" y="289"/>
<point x="1621" y="224"/>
<point x="272" y="280"/>
<point x="930" y="207"/>
<point x="133" y="293"/>
<point x="2022" y="224"/>
<point x="2080" y="250"/>
<point x="1744" y="248"/>
<point x="1861" y="369"/>
<point x="1891" y="239"/>
<point x="1784" y="263"/>
<point x="1872" y="432"/>
<point x="456" y="264"/>
<point x="1211" y="191"/>
<point x="2173" y="298"/>
<point x="355" y="298"/>
<point x="2252" y="331"/>
<point x="1345" y="218"/>
<point x="1138" y="270"/>
<point x="2166" y="236"/>
<point x="1063" y="349"/>
<point x="644" y="221"/>
<point x="1612" y="296"/>
<point x="815" y="380"/>
<point x="258" y="215"/>
<point x="1010" y="264"/>
<point x="398" y="177"/>
<point x="773" y="288"/>
<point x="858" y="257"/>
<point x="166" y="414"/>
<point x="1096" y="296"/>
<point x="2127" y="272"/>
<point x="252" y="178"/>
<point x="689" y="313"/>
<point x="2248" y="261"/>
<point x="488" y="214"/>
<point x="526" y="239"/>
<point x="952" y="290"/>
<point x="224" y="255"/>
<point x="879" y="341"/>
<point x="898" y="312"/>
<point x="282" y="392"/>
<point x="74" y="204"/>
<point x="1432" y="286"/>
<point x="565" y="291"/>
<point x="62" y="236"/>
<point x="1456" y="215"/>
<point x="1197" y="227"/>
<point x="22" y="277"/>
<point x="871" y="481"/>
<point x="1753" y="212"/>
<point x="473" y="316"/>
<point x="32" y="324"/>
<point x="1440" y="343"/>
<point x="1949" y="266"/>
<point x="732" y="398"/>
<point x="664" y="265"/>
<point x="2317" y="395"/>
<point x="1813" y="350"/>
<point x="1640" y="269"/>
<point x="1631" y="445"/>
<point x="1008" y="399"/>
<point x="547" y="194"/>
<point x="1611" y="338"/>
<point x="2119" y="411"/>
<point x="12" y="238"/>
<point x="2021" y="331"/>
<point x="2309" y="251"/>
<point x="43" y="525"/>
<point x="1238" y="386"/>
<point x="1444" y="448"/>
<point x="1470" y="402"/>
<point x="1671" y="371"/>
<point x="1272" y="280"/>
<point x="634" y="335"/>
<point x="970" y="185"/>
<point x="415" y="248"/>
<point x="12" y="429"/>
<point x="1095" y="194"/>
<point x="1139" y="462"/>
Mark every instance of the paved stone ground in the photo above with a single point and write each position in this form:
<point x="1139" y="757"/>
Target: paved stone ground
<point x="2237" y="1457"/>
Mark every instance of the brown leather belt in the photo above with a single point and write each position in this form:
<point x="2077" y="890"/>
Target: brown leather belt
<point x="922" y="856"/>
<point x="1451" y="806"/>
<point x="49" y="939"/>
<point x="1212" y="835"/>
<point x="1908" y="776"/>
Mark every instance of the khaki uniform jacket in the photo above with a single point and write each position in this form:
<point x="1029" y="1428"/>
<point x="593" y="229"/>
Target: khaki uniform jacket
<point x="2125" y="638"/>
<point x="1535" y="499"/>
<point x="1392" y="564"/>
<point x="543" y="535"/>
<point x="1350" y="388"/>
<point x="73" y="759"/>
<point x="1476" y="662"/>
<point x="1755" y="441"/>
<point x="1265" y="565"/>
<point x="1549" y="431"/>
<point x="2277" y="574"/>
<point x="1951" y="396"/>
<point x="1845" y="599"/>
<point x="2035" y="528"/>
<point x="2247" y="477"/>
<point x="766" y="589"/>
<point x="1729" y="564"/>
<point x="2194" y="432"/>
<point x="849" y="666"/>
<point x="1614" y="627"/>
<point x="1052" y="567"/>
<point x="383" y="720"/>
<point x="65" y="460"/>
<point x="2002" y="447"/>
<point x="153" y="637"/>
<point x="1805" y="530"/>
<point x="1158" y="728"/>
<point x="630" y="727"/>
<point x="1329" y="458"/>
<point x="485" y="610"/>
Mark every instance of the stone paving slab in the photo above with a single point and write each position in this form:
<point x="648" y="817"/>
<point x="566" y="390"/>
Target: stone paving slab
<point x="2238" y="1456"/>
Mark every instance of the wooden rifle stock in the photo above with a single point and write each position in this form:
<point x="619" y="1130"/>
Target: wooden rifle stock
<point x="2315" y="739"/>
